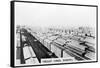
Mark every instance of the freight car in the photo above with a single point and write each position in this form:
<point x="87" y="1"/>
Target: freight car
<point x="29" y="55"/>
<point x="57" y="47"/>
<point x="48" y="41"/>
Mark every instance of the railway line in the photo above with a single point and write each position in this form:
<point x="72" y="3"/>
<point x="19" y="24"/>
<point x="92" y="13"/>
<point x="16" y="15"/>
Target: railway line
<point x="38" y="48"/>
<point x="33" y="48"/>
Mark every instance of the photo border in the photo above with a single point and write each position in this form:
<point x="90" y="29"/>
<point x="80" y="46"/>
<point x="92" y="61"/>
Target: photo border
<point x="12" y="25"/>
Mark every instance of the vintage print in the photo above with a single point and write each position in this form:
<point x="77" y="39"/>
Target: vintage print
<point x="54" y="33"/>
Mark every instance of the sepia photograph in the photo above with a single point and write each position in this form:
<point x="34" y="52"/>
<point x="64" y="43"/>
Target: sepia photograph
<point x="54" y="33"/>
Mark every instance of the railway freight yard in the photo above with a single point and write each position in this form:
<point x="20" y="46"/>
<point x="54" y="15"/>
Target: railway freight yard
<point x="35" y="45"/>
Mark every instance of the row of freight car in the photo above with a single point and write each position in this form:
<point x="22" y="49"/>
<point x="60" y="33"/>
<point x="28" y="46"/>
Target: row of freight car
<point x="68" y="46"/>
<point x="24" y="52"/>
<point x="29" y="50"/>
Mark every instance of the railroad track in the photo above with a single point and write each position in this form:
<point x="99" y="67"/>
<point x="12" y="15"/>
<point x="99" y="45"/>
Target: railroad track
<point x="42" y="52"/>
<point x="39" y="49"/>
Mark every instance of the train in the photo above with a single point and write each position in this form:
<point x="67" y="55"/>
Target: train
<point x="58" y="45"/>
<point x="63" y="46"/>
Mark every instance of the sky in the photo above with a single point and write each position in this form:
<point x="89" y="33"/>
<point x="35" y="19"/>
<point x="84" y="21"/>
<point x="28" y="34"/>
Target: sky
<point x="50" y="15"/>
